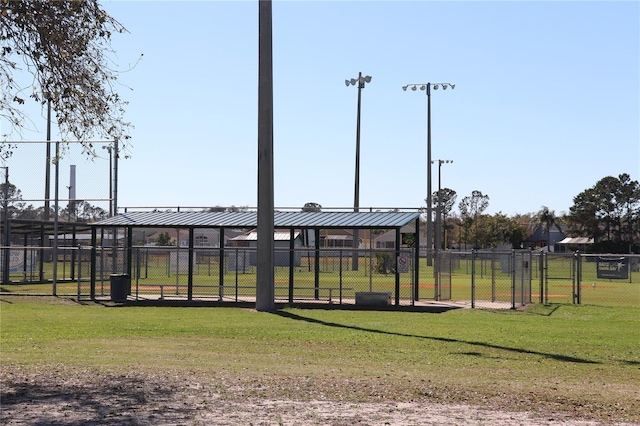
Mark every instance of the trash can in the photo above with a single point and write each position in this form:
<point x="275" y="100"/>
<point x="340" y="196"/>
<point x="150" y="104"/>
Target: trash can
<point x="120" y="287"/>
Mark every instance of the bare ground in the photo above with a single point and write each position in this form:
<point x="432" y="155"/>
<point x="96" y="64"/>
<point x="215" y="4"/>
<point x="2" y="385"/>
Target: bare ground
<point x="77" y="396"/>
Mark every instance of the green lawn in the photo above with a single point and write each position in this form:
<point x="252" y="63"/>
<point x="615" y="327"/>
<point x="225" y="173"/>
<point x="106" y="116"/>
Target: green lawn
<point x="583" y="359"/>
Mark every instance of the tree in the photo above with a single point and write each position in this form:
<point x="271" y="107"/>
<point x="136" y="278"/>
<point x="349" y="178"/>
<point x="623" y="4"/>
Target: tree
<point x="11" y="197"/>
<point x="216" y="209"/>
<point x="311" y="207"/>
<point x="517" y="230"/>
<point x="448" y="201"/>
<point x="547" y="219"/>
<point x="163" y="239"/>
<point x="65" y="46"/>
<point x="471" y="207"/>
<point x="83" y="211"/>
<point x="608" y="212"/>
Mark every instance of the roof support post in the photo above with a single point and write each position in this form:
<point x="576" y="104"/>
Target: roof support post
<point x="316" y="265"/>
<point x="94" y="242"/>
<point x="416" y="264"/>
<point x="190" y="266"/>
<point x="292" y="258"/>
<point x="222" y="266"/>
<point x="398" y="240"/>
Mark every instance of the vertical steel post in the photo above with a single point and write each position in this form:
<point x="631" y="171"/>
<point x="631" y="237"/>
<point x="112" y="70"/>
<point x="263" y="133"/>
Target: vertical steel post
<point x="47" y="170"/>
<point x="292" y="258"/>
<point x="397" y="253"/>
<point x="191" y="252"/>
<point x="6" y="235"/>
<point x="541" y="273"/>
<point x="316" y="266"/>
<point x="429" y="198"/>
<point x="356" y="192"/>
<point x="221" y="263"/>
<point x="578" y="277"/>
<point x="94" y="249"/>
<point x="473" y="278"/>
<point x="55" y="221"/>
<point x="417" y="262"/>
<point x="513" y="278"/>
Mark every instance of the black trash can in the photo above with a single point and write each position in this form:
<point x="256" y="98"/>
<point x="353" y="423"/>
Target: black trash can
<point x="120" y="287"/>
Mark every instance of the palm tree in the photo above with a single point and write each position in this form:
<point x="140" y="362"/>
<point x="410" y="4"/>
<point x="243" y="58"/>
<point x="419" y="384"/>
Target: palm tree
<point x="547" y="219"/>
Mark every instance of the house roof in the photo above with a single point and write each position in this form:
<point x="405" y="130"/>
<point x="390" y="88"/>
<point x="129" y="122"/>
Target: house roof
<point x="277" y="236"/>
<point x="372" y="220"/>
<point x="577" y="240"/>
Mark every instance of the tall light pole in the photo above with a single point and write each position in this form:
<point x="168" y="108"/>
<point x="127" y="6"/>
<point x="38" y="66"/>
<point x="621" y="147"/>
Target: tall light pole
<point x="265" y="289"/>
<point x="439" y="209"/>
<point x="360" y="81"/>
<point x="427" y="87"/>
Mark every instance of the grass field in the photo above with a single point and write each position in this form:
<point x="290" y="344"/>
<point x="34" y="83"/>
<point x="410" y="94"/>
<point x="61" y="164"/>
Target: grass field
<point x="579" y="360"/>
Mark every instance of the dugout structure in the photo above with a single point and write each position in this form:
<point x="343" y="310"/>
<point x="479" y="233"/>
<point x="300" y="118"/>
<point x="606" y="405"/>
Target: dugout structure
<point x="238" y="259"/>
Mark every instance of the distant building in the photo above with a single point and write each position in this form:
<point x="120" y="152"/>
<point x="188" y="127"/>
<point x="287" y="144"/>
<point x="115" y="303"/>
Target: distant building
<point x="281" y="245"/>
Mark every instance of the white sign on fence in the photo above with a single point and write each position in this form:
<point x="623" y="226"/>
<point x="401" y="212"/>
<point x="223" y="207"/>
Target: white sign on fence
<point x="403" y="264"/>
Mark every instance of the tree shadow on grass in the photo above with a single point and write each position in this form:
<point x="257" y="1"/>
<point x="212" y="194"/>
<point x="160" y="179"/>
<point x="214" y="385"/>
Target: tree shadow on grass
<point x="556" y="357"/>
<point x="48" y="399"/>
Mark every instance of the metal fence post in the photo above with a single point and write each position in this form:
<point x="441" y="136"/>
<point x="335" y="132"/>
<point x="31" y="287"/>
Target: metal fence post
<point x="473" y="278"/>
<point x="79" y="268"/>
<point x="513" y="279"/>
<point x="578" y="278"/>
<point x="541" y="275"/>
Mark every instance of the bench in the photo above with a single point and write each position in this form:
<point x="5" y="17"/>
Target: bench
<point x="330" y="289"/>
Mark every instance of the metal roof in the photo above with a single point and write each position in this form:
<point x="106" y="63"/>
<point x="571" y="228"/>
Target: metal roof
<point x="372" y="220"/>
<point x="29" y="226"/>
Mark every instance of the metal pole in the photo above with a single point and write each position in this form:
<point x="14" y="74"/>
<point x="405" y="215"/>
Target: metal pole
<point x="110" y="181"/>
<point x="47" y="174"/>
<point x="115" y="177"/>
<point x="55" y="221"/>
<point x="439" y="211"/>
<point x="265" y="292"/>
<point x="7" y="233"/>
<point x="429" y="207"/>
<point x="356" y="197"/>
<point x="436" y="251"/>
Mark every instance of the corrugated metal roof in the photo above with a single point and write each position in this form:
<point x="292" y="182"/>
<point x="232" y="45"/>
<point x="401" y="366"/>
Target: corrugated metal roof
<point x="379" y="220"/>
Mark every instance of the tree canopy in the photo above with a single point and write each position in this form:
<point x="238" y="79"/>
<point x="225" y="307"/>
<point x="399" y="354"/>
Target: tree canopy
<point x="64" y="46"/>
<point x="608" y="212"/>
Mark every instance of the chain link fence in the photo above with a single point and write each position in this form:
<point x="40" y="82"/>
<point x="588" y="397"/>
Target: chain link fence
<point x="478" y="279"/>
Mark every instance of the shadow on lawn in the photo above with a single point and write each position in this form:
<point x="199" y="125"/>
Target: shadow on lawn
<point x="51" y="400"/>
<point x="556" y="357"/>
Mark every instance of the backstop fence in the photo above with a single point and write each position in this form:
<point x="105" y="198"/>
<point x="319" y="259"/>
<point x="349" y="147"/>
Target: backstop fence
<point x="478" y="279"/>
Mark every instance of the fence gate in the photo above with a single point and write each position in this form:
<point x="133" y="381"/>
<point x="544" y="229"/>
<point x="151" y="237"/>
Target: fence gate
<point x="561" y="281"/>
<point x="521" y="278"/>
<point x="443" y="292"/>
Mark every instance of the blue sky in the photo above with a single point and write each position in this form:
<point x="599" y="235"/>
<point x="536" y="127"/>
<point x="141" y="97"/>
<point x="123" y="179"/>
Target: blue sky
<point x="546" y="102"/>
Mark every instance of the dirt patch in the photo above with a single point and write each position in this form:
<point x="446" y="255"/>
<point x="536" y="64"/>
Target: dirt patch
<point x="77" y="396"/>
